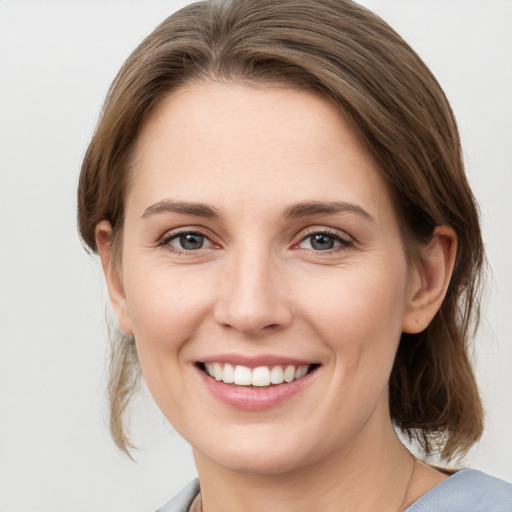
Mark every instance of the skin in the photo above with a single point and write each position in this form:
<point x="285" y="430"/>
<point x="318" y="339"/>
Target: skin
<point x="259" y="287"/>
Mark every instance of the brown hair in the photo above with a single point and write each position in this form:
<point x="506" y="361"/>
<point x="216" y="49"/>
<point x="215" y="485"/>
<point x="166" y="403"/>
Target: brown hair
<point x="397" y="107"/>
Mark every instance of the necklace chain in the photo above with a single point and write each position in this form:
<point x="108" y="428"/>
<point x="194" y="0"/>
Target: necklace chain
<point x="404" y="505"/>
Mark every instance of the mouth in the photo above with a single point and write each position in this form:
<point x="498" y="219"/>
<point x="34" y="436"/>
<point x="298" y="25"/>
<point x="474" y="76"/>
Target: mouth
<point x="256" y="378"/>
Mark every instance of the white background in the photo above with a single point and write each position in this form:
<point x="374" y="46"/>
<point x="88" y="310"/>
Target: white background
<point x="57" y="59"/>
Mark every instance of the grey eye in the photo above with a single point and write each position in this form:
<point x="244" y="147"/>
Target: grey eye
<point x="324" y="241"/>
<point x="320" y="242"/>
<point x="188" y="241"/>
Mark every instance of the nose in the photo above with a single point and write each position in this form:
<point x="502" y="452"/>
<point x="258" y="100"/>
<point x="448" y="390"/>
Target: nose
<point x="252" y="296"/>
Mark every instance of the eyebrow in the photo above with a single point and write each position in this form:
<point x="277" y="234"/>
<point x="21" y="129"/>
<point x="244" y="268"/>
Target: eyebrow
<point x="169" y="205"/>
<point x="295" y="211"/>
<point x="307" y="208"/>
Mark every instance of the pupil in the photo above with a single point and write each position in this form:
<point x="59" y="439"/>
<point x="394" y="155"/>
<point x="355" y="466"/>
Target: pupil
<point x="191" y="241"/>
<point x="322" y="242"/>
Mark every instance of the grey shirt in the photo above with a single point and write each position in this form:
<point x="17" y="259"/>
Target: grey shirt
<point x="467" y="490"/>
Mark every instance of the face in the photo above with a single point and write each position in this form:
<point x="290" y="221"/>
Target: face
<point x="261" y="246"/>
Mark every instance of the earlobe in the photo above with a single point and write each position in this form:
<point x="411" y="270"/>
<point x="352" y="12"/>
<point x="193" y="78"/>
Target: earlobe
<point x="430" y="281"/>
<point x="113" y="276"/>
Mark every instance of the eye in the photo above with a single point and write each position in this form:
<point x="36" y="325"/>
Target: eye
<point x="323" y="241"/>
<point x="186" y="241"/>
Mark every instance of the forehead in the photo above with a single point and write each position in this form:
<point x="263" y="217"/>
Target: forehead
<point x="232" y="142"/>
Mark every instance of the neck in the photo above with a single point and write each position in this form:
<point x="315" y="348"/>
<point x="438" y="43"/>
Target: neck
<point x="374" y="474"/>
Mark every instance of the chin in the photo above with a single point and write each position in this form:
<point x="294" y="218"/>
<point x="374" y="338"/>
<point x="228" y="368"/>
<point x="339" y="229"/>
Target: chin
<point x="257" y="463"/>
<point x="267" y="457"/>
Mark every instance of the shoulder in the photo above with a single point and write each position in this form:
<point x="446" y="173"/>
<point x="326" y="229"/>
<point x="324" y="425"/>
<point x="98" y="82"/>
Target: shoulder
<point x="467" y="490"/>
<point x="182" y="501"/>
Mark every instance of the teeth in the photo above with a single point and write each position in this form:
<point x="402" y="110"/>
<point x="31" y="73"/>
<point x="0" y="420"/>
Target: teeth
<point x="301" y="371"/>
<point x="276" y="375"/>
<point x="242" y="376"/>
<point x="262" y="376"/>
<point x="209" y="368"/>
<point x="229" y="374"/>
<point x="289" y="374"/>
<point x="217" y="371"/>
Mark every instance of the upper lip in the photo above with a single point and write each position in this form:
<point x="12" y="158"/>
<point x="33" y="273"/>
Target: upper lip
<point x="255" y="361"/>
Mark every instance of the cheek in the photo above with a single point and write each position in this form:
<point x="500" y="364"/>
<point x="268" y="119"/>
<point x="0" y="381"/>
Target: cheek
<point x="166" y="307"/>
<point x="352" y="302"/>
<point x="358" y="315"/>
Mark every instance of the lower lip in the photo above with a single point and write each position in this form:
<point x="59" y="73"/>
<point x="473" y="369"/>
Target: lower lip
<point x="251" y="398"/>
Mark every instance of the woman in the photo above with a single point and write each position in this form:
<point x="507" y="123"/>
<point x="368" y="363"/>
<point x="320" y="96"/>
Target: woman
<point x="292" y="250"/>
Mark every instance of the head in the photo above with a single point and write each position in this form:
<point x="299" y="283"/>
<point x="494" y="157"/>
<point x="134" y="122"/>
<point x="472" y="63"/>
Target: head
<point x="395" y="108"/>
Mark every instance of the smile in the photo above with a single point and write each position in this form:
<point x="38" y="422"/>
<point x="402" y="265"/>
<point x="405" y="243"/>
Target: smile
<point x="262" y="376"/>
<point x="255" y="388"/>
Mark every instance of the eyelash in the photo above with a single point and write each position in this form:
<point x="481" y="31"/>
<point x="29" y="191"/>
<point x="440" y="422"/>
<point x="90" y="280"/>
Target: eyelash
<point x="166" y="240"/>
<point x="344" y="241"/>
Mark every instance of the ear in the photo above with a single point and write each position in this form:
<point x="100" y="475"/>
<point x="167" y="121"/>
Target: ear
<point x="113" y="276"/>
<point x="430" y="280"/>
